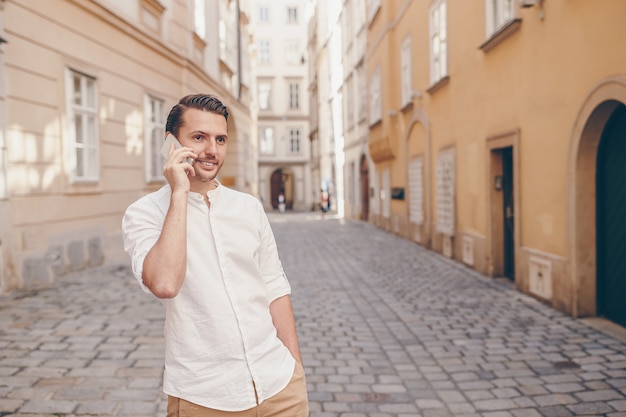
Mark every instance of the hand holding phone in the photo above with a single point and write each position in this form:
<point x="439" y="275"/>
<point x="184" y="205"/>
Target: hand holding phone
<point x="165" y="149"/>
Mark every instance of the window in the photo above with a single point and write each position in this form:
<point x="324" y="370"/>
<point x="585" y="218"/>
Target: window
<point x="294" y="96"/>
<point x="376" y="112"/>
<point x="292" y="14"/>
<point x="154" y="136"/>
<point x="266" y="140"/>
<point x="265" y="96"/>
<point x="361" y="92"/>
<point x="405" y="68"/>
<point x="445" y="193"/>
<point x="293" y="53"/>
<point x="199" y="18"/>
<point x="264" y="52"/>
<point x="416" y="188"/>
<point x="499" y="12"/>
<point x="385" y="194"/>
<point x="84" y="157"/>
<point x="264" y="14"/>
<point x="294" y="140"/>
<point x="438" y="41"/>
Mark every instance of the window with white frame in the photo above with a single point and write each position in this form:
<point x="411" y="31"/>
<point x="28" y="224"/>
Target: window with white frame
<point x="154" y="137"/>
<point x="499" y="13"/>
<point x="292" y="14"/>
<point x="266" y="140"/>
<point x="294" y="96"/>
<point x="438" y="41"/>
<point x="294" y="141"/>
<point x="264" y="51"/>
<point x="405" y="69"/>
<point x="199" y="18"/>
<point x="376" y="112"/>
<point x="84" y="155"/>
<point x="265" y="95"/>
<point x="293" y="52"/>
<point x="264" y="14"/>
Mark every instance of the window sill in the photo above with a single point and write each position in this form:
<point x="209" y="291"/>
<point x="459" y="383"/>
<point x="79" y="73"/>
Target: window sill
<point x="376" y="123"/>
<point x="438" y="85"/>
<point x="501" y="34"/>
<point x="407" y="106"/>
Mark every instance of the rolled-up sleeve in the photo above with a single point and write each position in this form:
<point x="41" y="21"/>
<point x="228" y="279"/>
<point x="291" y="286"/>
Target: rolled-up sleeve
<point x="270" y="265"/>
<point x="141" y="227"/>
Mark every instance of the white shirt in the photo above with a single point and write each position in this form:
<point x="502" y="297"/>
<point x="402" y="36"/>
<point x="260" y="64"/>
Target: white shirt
<point x="219" y="334"/>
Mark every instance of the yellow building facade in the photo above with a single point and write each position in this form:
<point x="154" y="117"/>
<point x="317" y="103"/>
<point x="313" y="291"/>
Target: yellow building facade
<point x="496" y="129"/>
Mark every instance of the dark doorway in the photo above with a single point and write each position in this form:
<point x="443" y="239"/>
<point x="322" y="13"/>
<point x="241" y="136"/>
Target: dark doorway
<point x="611" y="220"/>
<point x="509" y="214"/>
<point x="365" y="189"/>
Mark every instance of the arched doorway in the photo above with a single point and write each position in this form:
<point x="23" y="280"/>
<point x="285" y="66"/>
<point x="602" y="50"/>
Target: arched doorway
<point x="281" y="181"/>
<point x="600" y="117"/>
<point x="365" y="189"/>
<point x="610" y="219"/>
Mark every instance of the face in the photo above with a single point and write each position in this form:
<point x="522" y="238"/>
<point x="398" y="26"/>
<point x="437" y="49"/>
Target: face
<point x="207" y="134"/>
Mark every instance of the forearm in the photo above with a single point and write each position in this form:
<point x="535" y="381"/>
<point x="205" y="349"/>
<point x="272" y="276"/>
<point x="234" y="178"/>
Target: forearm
<point x="165" y="265"/>
<point x="285" y="323"/>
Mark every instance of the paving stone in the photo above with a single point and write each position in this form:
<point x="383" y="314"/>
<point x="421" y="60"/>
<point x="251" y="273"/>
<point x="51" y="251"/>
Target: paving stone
<point x="414" y="335"/>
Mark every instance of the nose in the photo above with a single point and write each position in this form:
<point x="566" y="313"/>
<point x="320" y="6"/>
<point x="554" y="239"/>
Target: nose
<point x="210" y="147"/>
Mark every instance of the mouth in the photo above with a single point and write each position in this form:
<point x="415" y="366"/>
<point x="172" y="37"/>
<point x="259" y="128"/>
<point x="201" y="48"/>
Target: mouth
<point x="206" y="164"/>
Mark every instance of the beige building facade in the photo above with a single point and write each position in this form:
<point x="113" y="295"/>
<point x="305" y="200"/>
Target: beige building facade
<point x="85" y="86"/>
<point x="280" y="37"/>
<point x="496" y="129"/>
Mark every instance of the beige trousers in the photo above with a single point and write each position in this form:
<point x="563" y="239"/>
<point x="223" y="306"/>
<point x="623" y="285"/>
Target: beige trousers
<point x="292" y="401"/>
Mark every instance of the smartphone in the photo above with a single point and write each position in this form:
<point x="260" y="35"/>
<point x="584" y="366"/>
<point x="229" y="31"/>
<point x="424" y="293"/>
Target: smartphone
<point x="165" y="149"/>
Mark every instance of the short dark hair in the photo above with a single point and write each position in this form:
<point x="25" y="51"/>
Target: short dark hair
<point x="204" y="102"/>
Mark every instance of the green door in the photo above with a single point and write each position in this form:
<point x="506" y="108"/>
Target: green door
<point x="611" y="219"/>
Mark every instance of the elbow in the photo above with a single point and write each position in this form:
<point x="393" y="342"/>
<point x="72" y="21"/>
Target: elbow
<point x="165" y="292"/>
<point x="163" y="289"/>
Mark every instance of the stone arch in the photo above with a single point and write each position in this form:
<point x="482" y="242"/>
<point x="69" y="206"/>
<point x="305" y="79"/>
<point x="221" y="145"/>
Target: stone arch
<point x="595" y="111"/>
<point x="419" y="117"/>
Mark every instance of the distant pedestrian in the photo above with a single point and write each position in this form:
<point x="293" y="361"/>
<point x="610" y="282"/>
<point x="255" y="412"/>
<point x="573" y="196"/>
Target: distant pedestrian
<point x="324" y="201"/>
<point x="281" y="202"/>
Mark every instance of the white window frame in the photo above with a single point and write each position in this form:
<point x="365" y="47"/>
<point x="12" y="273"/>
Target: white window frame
<point x="295" y="141"/>
<point x="293" y="52"/>
<point x="83" y="156"/>
<point x="264" y="14"/>
<point x="376" y="110"/>
<point x="405" y="70"/>
<point x="154" y="135"/>
<point x="266" y="142"/>
<point x="265" y="51"/>
<point x="292" y="14"/>
<point x="294" y="95"/>
<point x="199" y="18"/>
<point x="498" y="14"/>
<point x="438" y="41"/>
<point x="265" y="95"/>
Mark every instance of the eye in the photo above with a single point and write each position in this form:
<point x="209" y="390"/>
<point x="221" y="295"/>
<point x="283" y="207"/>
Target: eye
<point x="198" y="137"/>
<point x="221" y="139"/>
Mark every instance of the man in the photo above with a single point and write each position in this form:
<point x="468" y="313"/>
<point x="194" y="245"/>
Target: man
<point x="209" y="253"/>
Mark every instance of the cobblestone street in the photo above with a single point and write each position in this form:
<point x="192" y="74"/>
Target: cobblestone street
<point x="387" y="329"/>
